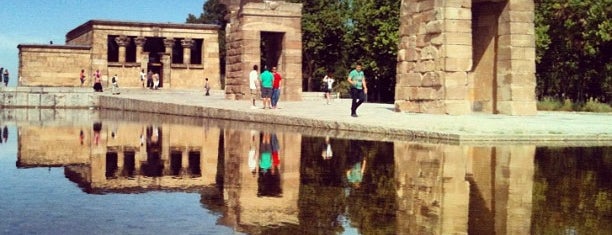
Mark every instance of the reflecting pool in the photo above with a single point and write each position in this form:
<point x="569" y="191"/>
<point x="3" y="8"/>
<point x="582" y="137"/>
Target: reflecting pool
<point x="104" y="172"/>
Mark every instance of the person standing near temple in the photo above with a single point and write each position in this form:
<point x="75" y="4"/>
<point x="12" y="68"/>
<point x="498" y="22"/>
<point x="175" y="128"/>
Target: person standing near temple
<point x="155" y="81"/>
<point x="1" y="74"/>
<point x="267" y="78"/>
<point x="206" y="87"/>
<point x="150" y="79"/>
<point x="253" y="85"/>
<point x="115" y="85"/>
<point x="97" y="81"/>
<point x="276" y="85"/>
<point x="359" y="88"/>
<point x="143" y="77"/>
<point x="82" y="77"/>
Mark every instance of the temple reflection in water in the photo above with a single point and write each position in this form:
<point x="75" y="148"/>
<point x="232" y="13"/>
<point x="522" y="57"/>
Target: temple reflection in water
<point x="271" y="181"/>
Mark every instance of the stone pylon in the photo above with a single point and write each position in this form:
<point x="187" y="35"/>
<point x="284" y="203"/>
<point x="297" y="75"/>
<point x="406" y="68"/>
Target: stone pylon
<point x="466" y="56"/>
<point x="267" y="34"/>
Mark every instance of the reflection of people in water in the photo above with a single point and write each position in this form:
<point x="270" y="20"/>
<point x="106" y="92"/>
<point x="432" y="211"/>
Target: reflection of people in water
<point x="327" y="152"/>
<point x="275" y="157"/>
<point x="82" y="137"/>
<point x="5" y="134"/>
<point x="268" y="182"/>
<point x="142" y="137"/>
<point x="97" y="127"/>
<point x="1" y="137"/>
<point x="252" y="161"/>
<point x="265" y="160"/>
<point x="154" y="138"/>
<point x="357" y="165"/>
<point x="155" y="134"/>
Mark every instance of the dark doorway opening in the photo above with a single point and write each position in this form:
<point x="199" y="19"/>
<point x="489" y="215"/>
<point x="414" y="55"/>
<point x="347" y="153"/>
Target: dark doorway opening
<point x="111" y="165"/>
<point x="271" y="49"/>
<point x="156" y="49"/>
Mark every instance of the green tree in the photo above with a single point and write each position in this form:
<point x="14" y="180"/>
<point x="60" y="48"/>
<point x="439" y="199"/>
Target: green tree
<point x="213" y="13"/>
<point x="323" y="29"/>
<point x="372" y="39"/>
<point x="573" y="44"/>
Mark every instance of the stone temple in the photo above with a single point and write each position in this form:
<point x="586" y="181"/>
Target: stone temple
<point x="182" y="54"/>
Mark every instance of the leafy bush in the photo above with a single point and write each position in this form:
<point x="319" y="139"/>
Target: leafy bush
<point x="592" y="105"/>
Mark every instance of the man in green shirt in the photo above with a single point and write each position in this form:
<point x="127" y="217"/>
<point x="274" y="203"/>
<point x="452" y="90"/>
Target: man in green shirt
<point x="266" y="88"/>
<point x="359" y="88"/>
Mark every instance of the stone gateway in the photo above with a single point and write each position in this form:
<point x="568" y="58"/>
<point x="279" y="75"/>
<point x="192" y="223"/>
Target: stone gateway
<point x="466" y="56"/>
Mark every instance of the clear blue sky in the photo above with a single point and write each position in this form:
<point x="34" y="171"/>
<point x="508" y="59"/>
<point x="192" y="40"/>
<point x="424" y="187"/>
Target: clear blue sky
<point x="41" y="21"/>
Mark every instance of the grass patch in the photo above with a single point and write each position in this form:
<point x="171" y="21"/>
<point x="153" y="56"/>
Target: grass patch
<point x="592" y="105"/>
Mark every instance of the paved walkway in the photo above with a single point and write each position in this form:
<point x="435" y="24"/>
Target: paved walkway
<point x="545" y="128"/>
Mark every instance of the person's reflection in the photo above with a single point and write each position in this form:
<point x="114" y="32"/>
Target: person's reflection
<point x="265" y="161"/>
<point x="97" y="127"/>
<point x="327" y="152"/>
<point x="268" y="182"/>
<point x="5" y="134"/>
<point x="153" y="138"/>
<point x="357" y="164"/>
<point x="1" y="138"/>
<point x="275" y="158"/>
<point x="252" y="161"/>
<point x="82" y="137"/>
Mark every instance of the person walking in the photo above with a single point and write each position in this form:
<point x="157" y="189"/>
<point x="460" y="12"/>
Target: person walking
<point x="253" y="75"/>
<point x="328" y="84"/>
<point x="150" y="79"/>
<point x="276" y="84"/>
<point x="1" y="73"/>
<point x="359" y="88"/>
<point x="267" y="79"/>
<point x="206" y="87"/>
<point x="97" y="81"/>
<point x="82" y="77"/>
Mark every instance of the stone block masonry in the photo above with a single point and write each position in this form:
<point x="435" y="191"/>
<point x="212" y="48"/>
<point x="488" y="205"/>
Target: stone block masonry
<point x="482" y="53"/>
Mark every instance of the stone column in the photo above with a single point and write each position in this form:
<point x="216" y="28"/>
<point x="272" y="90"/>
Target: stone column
<point x="120" y="161"/>
<point x="516" y="68"/>
<point x="187" y="43"/>
<point x="166" y="60"/>
<point x="169" y="43"/>
<point x="122" y="41"/>
<point x="140" y="42"/>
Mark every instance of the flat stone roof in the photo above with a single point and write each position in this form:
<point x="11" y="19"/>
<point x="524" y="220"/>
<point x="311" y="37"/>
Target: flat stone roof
<point x="88" y="26"/>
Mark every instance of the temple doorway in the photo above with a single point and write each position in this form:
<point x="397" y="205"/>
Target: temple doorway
<point x="271" y="50"/>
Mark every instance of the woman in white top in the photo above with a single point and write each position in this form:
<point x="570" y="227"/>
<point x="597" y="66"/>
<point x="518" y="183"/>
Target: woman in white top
<point x="328" y="85"/>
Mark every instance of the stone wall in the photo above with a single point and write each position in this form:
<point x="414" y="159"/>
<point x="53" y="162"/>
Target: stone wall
<point x="47" y="97"/>
<point x="461" y="57"/>
<point x="244" y="36"/>
<point x="52" y="65"/>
